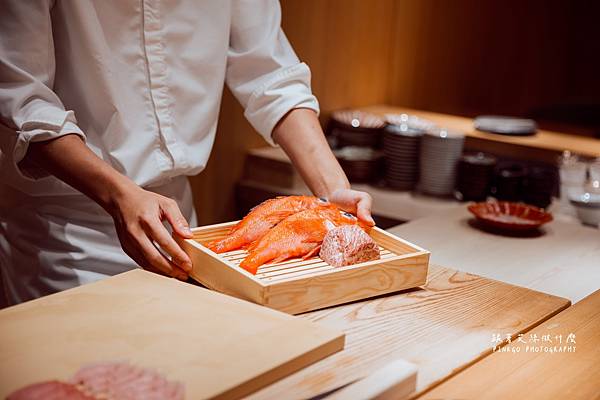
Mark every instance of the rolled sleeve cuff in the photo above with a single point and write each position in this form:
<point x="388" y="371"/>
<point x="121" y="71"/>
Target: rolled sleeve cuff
<point x="51" y="124"/>
<point x="287" y="89"/>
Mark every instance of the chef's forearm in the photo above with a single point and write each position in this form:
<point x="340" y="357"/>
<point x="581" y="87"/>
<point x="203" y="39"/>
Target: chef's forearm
<point x="300" y="135"/>
<point x="70" y="160"/>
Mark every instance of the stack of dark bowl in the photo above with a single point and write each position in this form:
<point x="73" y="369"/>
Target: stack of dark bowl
<point x="540" y="185"/>
<point x="509" y="181"/>
<point x="356" y="137"/>
<point x="475" y="174"/>
<point x="355" y="128"/>
<point x="361" y="164"/>
<point x="401" y="153"/>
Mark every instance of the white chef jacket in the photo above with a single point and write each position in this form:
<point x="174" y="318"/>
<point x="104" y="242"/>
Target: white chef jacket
<point x="140" y="81"/>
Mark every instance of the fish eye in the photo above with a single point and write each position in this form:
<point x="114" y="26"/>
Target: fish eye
<point x="347" y="214"/>
<point x="323" y="200"/>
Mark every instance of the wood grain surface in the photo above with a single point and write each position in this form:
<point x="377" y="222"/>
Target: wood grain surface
<point x="519" y="372"/>
<point x="441" y="328"/>
<point x="217" y="345"/>
<point x="563" y="260"/>
<point x="395" y="381"/>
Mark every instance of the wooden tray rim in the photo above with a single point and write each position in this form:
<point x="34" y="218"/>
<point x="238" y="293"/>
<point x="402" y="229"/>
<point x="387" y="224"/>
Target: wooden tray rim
<point x="418" y="251"/>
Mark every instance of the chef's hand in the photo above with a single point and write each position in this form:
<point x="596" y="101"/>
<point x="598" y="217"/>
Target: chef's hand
<point x="138" y="216"/>
<point x="355" y="202"/>
<point x="138" y="213"/>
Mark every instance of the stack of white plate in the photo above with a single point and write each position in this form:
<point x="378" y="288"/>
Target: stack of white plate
<point x="401" y="153"/>
<point x="440" y="151"/>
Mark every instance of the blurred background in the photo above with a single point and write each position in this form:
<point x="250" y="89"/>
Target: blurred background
<point x="534" y="59"/>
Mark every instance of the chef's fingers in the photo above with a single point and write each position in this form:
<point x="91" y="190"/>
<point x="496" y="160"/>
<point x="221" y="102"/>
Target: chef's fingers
<point x="154" y="259"/>
<point x="363" y="208"/>
<point x="178" y="222"/>
<point x="157" y="231"/>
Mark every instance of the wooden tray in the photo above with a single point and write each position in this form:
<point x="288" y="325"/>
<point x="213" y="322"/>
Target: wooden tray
<point x="296" y="285"/>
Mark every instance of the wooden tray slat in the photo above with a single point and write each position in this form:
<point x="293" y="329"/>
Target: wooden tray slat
<point x="298" y="285"/>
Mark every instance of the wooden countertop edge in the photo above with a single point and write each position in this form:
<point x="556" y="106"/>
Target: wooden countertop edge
<point x="546" y="140"/>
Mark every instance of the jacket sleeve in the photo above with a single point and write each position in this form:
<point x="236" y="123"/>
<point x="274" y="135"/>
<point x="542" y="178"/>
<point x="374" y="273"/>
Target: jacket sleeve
<point x="29" y="110"/>
<point x="263" y="72"/>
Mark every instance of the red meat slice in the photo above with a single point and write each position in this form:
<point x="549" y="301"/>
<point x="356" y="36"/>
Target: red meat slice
<point x="126" y="382"/>
<point x="348" y="245"/>
<point x="51" y="390"/>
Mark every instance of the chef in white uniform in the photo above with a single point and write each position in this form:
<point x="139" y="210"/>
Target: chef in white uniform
<point x="107" y="106"/>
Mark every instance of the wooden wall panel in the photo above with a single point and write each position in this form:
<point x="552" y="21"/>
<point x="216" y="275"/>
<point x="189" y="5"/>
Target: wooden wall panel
<point x="462" y="57"/>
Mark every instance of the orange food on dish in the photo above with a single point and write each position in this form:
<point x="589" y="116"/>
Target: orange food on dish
<point x="299" y="235"/>
<point x="261" y="219"/>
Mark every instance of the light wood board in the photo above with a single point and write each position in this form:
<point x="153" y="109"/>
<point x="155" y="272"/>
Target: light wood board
<point x="564" y="261"/>
<point x="538" y="375"/>
<point x="442" y="329"/>
<point x="395" y="381"/>
<point x="218" y="346"/>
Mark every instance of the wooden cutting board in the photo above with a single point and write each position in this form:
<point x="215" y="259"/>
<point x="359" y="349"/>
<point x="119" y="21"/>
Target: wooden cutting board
<point x="218" y="346"/>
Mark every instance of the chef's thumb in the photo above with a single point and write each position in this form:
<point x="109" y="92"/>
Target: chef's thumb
<point x="363" y="210"/>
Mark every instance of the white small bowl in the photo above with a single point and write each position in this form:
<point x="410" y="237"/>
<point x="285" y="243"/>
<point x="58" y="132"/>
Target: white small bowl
<point x="587" y="206"/>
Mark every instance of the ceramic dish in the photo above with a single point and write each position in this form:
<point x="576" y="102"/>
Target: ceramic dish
<point x="505" y="125"/>
<point x="509" y="216"/>
<point x="587" y="205"/>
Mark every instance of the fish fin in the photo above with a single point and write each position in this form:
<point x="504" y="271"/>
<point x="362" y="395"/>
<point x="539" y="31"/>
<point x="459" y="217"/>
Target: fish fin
<point x="279" y="216"/>
<point x="234" y="228"/>
<point x="279" y="259"/>
<point x="265" y="202"/>
<point x="312" y="240"/>
<point x="251" y="246"/>
<point x="312" y="253"/>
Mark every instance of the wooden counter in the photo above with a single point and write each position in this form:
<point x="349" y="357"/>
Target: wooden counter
<point x="564" y="260"/>
<point x="442" y="328"/>
<point x="516" y="372"/>
<point x="544" y="146"/>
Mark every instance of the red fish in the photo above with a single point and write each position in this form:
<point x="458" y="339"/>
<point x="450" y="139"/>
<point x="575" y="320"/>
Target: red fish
<point x="261" y="219"/>
<point x="299" y="235"/>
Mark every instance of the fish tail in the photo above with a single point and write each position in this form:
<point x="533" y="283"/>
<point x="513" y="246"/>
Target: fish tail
<point x="250" y="264"/>
<point x="281" y="258"/>
<point x="312" y="253"/>
<point x="224" y="245"/>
